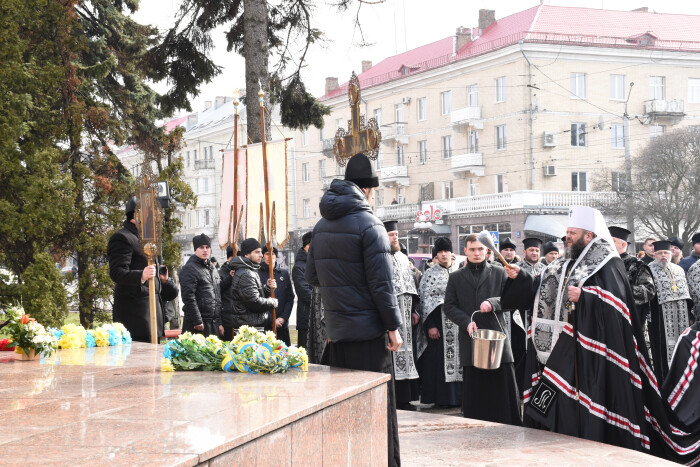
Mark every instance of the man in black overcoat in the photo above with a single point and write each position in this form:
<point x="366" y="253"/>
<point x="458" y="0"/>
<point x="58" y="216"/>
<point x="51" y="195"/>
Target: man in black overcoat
<point x="129" y="270"/>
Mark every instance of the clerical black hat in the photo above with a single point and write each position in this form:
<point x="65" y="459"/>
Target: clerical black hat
<point x="201" y="239"/>
<point x="306" y="239"/>
<point x="696" y="238"/>
<point x="675" y="241"/>
<point x="548" y="247"/>
<point x="620" y="233"/>
<point x="360" y="171"/>
<point x="391" y="226"/>
<point x="662" y="245"/>
<point x="506" y="243"/>
<point x="131" y="207"/>
<point x="442" y="244"/>
<point x="532" y="241"/>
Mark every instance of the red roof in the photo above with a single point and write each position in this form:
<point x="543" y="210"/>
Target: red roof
<point x="174" y="123"/>
<point x="545" y="24"/>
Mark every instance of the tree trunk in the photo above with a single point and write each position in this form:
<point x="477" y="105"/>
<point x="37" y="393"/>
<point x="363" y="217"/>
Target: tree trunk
<point x="256" y="54"/>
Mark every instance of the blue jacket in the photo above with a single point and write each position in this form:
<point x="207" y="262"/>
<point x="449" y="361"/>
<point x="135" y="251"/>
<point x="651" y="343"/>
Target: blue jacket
<point x="688" y="261"/>
<point x="350" y="260"/>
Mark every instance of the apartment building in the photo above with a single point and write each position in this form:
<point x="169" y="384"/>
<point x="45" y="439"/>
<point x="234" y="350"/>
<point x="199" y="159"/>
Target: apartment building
<point x="502" y="126"/>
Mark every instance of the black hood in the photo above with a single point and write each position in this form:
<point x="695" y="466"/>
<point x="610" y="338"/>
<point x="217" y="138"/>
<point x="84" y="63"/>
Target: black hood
<point x="341" y="199"/>
<point x="301" y="256"/>
<point x="241" y="262"/>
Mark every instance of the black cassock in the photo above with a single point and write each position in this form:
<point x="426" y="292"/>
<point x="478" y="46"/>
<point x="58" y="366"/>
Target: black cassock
<point x="619" y="401"/>
<point x="681" y="388"/>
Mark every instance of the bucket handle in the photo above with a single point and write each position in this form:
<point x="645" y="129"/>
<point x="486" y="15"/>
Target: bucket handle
<point x="497" y="320"/>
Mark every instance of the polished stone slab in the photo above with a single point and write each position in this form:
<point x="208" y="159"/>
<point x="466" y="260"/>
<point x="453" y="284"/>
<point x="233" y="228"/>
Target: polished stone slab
<point x="432" y="439"/>
<point x="113" y="406"/>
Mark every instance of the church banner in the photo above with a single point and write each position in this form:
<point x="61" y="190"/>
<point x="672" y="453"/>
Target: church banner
<point x="277" y="186"/>
<point x="233" y="181"/>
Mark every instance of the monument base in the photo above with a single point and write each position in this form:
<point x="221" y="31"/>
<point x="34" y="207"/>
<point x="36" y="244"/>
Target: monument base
<point x="113" y="405"/>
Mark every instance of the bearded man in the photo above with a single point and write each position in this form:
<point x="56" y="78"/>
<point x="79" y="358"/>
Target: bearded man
<point x="589" y="374"/>
<point x="405" y="371"/>
<point x="531" y="256"/>
<point x="670" y="311"/>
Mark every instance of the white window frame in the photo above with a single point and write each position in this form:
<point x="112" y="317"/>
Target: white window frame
<point x="500" y="89"/>
<point x="617" y="136"/>
<point x="305" y="137"/>
<point x="656" y="130"/>
<point x="579" y="129"/>
<point x="472" y="141"/>
<point x="657" y="87"/>
<point x="473" y="95"/>
<point x="321" y="169"/>
<point x="422" y="109"/>
<point x="400" y="155"/>
<point x="206" y="185"/>
<point x="378" y="116"/>
<point x="338" y="123"/>
<point x="305" y="172"/>
<point x="501" y="138"/>
<point x="617" y="180"/>
<point x="445" y="102"/>
<point x="578" y="85"/>
<point x="448" y="191"/>
<point x="399" y="113"/>
<point x="446" y="146"/>
<point x="617" y="87"/>
<point x="576" y="181"/>
<point x="499" y="183"/>
<point x="472" y="187"/>
<point x="694" y="90"/>
<point x="307" y="208"/>
<point x="423" y="152"/>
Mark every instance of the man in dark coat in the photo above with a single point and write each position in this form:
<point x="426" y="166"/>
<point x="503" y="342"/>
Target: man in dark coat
<point x="129" y="270"/>
<point x="507" y="249"/>
<point x="490" y="395"/>
<point x="302" y="289"/>
<point x="251" y="300"/>
<point x="226" y="276"/>
<point x="350" y="259"/>
<point x="201" y="291"/>
<point x="693" y="256"/>
<point x="284" y="294"/>
<point x="550" y="252"/>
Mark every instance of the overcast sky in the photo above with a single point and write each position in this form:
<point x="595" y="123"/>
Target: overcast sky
<point x="393" y="26"/>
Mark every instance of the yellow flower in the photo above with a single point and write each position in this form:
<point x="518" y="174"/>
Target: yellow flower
<point x="101" y="337"/>
<point x="212" y="339"/>
<point x="305" y="365"/>
<point x="69" y="341"/>
<point x="166" y="365"/>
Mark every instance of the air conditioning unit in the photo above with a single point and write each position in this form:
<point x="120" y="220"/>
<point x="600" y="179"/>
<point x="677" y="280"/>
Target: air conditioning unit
<point x="550" y="170"/>
<point x="549" y="140"/>
<point x="406" y="100"/>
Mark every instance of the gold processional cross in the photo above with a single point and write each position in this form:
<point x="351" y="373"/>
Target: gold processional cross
<point x="359" y="137"/>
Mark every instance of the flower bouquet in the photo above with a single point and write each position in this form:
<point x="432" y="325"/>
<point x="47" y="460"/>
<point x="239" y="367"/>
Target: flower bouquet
<point x="72" y="336"/>
<point x="28" y="336"/>
<point x="250" y="351"/>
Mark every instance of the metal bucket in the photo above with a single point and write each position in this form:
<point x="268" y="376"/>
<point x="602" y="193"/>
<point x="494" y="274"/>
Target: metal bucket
<point x="487" y="347"/>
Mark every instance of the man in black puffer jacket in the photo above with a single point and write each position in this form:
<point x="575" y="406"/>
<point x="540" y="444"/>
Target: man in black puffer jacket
<point x="251" y="302"/>
<point x="226" y="276"/>
<point x="350" y="259"/>
<point x="302" y="289"/>
<point x="201" y="293"/>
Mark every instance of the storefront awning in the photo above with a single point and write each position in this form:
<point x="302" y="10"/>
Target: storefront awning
<point x="437" y="229"/>
<point x="554" y="225"/>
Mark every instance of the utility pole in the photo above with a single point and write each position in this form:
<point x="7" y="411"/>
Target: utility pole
<point x="628" y="175"/>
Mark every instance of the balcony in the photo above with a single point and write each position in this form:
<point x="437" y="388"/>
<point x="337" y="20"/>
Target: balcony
<point x="397" y="211"/>
<point x="326" y="181"/>
<point x="467" y="116"/>
<point x="664" y="108"/>
<point x="525" y="200"/>
<point x="394" y="133"/>
<point x="463" y="164"/>
<point x="394" y="176"/>
<point x="204" y="164"/>
<point x="328" y="144"/>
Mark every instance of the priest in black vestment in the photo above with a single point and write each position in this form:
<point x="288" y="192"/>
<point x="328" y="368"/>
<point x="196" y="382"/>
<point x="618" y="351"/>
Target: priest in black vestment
<point x="490" y="395"/>
<point x="598" y="385"/>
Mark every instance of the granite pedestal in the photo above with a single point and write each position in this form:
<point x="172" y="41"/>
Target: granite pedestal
<point x="114" y="406"/>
